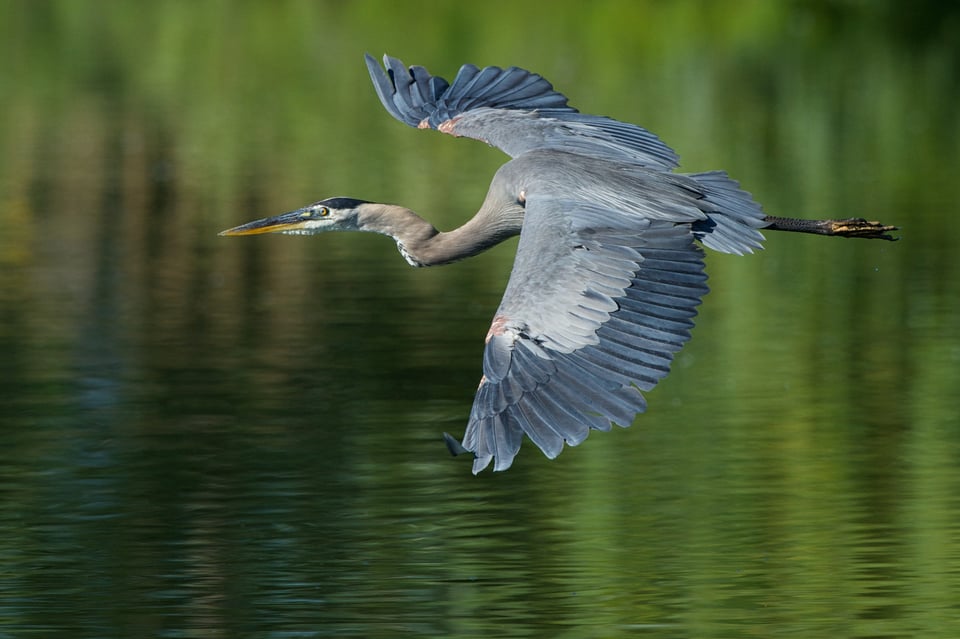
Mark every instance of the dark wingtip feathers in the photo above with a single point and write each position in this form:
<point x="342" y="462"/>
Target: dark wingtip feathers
<point x="454" y="446"/>
<point x="413" y="96"/>
<point x="512" y="109"/>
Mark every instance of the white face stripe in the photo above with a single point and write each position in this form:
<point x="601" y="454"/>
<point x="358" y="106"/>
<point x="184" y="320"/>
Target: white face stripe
<point x="301" y="228"/>
<point x="329" y="223"/>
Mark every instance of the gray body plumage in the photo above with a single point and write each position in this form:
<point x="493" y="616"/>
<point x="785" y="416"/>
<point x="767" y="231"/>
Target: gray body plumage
<point x="607" y="275"/>
<point x="608" y="271"/>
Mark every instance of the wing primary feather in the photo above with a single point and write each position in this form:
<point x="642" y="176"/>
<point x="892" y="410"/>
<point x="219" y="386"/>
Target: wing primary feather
<point x="603" y="363"/>
<point x="438" y="86"/>
<point x="638" y="336"/>
<point x="690" y="301"/>
<point x="384" y="87"/>
<point x="511" y="389"/>
<point x="402" y="80"/>
<point x="573" y="428"/>
<point x="487" y="401"/>
<point x="592" y="420"/>
<point x="657" y="315"/>
<point x="476" y="91"/>
<point x="681" y="268"/>
<point x="637" y="360"/>
<point x="540" y="431"/>
<point x="507" y="438"/>
<point x="656" y="312"/>
<point x="640" y="286"/>
<point x="461" y="82"/>
<point x="421" y="80"/>
<point x="504" y="82"/>
<point x="536" y="369"/>
<point x="602" y="398"/>
<point x="528" y="88"/>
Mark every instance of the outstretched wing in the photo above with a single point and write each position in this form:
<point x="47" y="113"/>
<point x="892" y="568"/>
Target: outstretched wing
<point x="597" y="304"/>
<point x="512" y="109"/>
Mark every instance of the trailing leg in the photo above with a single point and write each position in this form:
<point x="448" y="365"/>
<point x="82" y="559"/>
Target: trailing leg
<point x="851" y="227"/>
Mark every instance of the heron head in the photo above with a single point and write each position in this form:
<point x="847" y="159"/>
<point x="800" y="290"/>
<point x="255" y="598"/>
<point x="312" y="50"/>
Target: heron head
<point x="332" y="214"/>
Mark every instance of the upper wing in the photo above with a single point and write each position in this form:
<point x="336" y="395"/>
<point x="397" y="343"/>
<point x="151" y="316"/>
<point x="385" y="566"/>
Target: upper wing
<point x="511" y="109"/>
<point x="597" y="304"/>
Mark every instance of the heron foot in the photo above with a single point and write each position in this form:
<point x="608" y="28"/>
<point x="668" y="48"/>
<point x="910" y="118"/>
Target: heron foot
<point x="859" y="227"/>
<point x="850" y="227"/>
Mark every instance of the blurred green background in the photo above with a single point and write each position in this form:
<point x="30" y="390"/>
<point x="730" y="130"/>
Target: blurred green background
<point x="205" y="436"/>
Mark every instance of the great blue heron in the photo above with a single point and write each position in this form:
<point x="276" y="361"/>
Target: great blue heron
<point x="608" y="273"/>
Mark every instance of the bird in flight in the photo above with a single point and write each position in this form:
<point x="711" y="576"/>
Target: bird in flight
<point x="608" y="272"/>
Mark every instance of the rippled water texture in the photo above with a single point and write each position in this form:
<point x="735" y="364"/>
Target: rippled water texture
<point x="229" y="437"/>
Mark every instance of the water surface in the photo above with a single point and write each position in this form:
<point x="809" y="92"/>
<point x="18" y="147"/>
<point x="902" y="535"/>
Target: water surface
<point x="206" y="436"/>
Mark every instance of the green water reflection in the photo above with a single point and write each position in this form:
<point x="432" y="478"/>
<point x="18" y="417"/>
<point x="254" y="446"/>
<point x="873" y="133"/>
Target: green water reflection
<point x="213" y="437"/>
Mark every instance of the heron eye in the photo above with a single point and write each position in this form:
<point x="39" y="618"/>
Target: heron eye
<point x="323" y="211"/>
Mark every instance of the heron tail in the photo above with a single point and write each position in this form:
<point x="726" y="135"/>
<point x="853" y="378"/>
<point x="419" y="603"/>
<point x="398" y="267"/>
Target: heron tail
<point x="733" y="216"/>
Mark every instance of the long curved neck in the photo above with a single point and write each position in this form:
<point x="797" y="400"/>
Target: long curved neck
<point x="421" y="244"/>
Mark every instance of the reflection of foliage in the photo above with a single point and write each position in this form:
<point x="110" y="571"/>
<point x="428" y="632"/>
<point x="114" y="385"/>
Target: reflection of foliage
<point x="215" y="112"/>
<point x="133" y="132"/>
<point x="209" y="116"/>
<point x="914" y="25"/>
